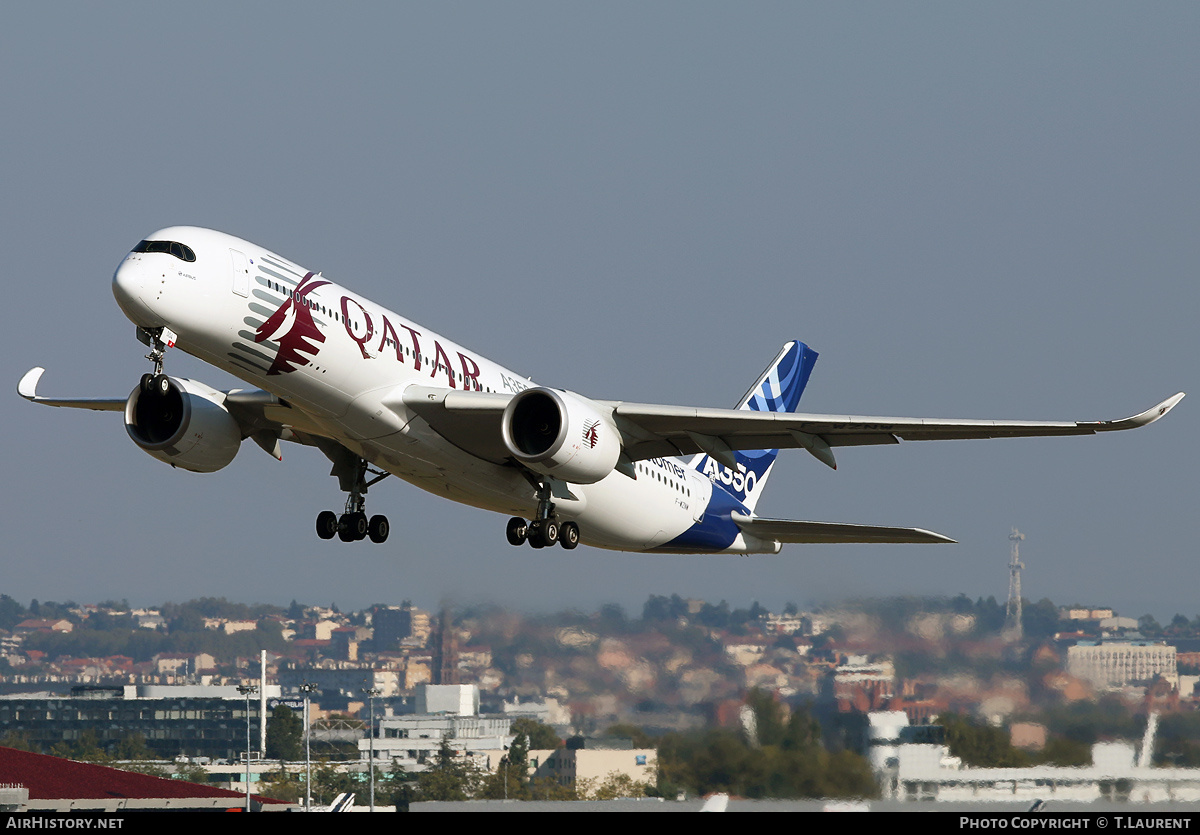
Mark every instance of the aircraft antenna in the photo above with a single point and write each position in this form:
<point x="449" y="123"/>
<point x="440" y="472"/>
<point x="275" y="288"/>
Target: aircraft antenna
<point x="1012" y="612"/>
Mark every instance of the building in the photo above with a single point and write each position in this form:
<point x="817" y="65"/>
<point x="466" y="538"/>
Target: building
<point x="26" y="627"/>
<point x="861" y="684"/>
<point x="340" y="682"/>
<point x="445" y="714"/>
<point x="39" y="783"/>
<point x="595" y="762"/>
<point x="1112" y="665"/>
<point x="911" y="763"/>
<point x="391" y="625"/>
<point x="191" y="720"/>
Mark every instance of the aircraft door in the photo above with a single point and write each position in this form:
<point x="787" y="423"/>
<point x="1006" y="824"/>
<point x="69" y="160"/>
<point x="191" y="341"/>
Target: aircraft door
<point x="701" y="492"/>
<point x="241" y="273"/>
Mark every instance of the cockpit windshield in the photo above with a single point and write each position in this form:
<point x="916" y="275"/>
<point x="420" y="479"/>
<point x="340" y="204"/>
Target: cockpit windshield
<point x="183" y="253"/>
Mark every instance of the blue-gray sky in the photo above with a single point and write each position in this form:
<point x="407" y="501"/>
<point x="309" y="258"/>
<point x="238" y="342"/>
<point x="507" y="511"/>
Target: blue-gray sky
<point x="970" y="210"/>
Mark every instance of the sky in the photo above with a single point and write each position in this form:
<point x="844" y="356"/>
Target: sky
<point x="984" y="210"/>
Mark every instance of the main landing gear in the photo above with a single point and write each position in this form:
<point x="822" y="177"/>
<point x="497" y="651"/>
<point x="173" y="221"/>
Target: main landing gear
<point x="545" y="529"/>
<point x="354" y="525"/>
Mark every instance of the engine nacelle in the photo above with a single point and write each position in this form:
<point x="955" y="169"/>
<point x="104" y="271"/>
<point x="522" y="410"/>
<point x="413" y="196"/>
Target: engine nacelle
<point x="186" y="427"/>
<point x="561" y="434"/>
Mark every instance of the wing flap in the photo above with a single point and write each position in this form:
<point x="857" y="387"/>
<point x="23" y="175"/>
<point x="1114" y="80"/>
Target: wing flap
<point x="794" y="531"/>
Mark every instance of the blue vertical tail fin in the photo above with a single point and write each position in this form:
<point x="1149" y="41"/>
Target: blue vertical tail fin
<point x="778" y="390"/>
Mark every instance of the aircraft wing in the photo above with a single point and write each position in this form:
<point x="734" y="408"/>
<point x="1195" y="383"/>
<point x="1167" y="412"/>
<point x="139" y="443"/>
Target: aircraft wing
<point x="670" y="430"/>
<point x="788" y="530"/>
<point x="262" y="416"/>
<point x="471" y="420"/>
<point x="27" y="388"/>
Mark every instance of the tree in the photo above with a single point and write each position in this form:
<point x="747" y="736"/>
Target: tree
<point x="511" y="780"/>
<point x="768" y="717"/>
<point x="980" y="745"/>
<point x="190" y="773"/>
<point x="11" y="612"/>
<point x="1040" y="619"/>
<point x="541" y="737"/>
<point x="449" y="778"/>
<point x="86" y="747"/>
<point x="132" y="747"/>
<point x="1149" y="627"/>
<point x="1066" y="752"/>
<point x="396" y="788"/>
<point x="617" y="785"/>
<point x="285" y="734"/>
<point x="329" y="782"/>
<point x="279" y="785"/>
<point x="627" y="730"/>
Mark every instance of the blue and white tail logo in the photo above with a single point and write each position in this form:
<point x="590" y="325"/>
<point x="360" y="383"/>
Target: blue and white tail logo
<point x="777" y="390"/>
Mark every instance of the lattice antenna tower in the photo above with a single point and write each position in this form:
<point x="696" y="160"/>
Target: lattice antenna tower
<point x="1012" y="612"/>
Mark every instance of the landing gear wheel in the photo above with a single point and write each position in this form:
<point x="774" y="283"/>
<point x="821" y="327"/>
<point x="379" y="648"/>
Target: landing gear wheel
<point x="327" y="524"/>
<point x="549" y="532"/>
<point x="568" y="535"/>
<point x="533" y="534"/>
<point x="378" y="529"/>
<point x="156" y="384"/>
<point x="359" y="525"/>
<point x="352" y="527"/>
<point x="517" y="531"/>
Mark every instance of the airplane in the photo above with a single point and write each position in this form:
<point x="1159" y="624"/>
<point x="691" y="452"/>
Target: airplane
<point x="382" y="396"/>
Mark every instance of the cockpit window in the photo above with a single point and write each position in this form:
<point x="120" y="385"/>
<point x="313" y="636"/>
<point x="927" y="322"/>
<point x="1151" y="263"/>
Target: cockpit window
<point x="183" y="253"/>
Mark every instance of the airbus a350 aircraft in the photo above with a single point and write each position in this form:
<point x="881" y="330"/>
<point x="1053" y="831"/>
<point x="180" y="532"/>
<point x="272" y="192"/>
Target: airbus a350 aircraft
<point x="380" y="395"/>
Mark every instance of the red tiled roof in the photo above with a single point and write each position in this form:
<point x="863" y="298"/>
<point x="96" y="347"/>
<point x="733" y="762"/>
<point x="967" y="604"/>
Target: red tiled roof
<point x="53" y="778"/>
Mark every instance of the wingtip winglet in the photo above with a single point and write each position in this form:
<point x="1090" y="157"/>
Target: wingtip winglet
<point x="1147" y="417"/>
<point x="27" y="388"/>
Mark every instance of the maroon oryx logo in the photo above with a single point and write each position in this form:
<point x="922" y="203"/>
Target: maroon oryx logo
<point x="303" y="335"/>
<point x="591" y="434"/>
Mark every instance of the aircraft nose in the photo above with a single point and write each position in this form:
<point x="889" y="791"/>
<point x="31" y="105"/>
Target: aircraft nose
<point x="129" y="284"/>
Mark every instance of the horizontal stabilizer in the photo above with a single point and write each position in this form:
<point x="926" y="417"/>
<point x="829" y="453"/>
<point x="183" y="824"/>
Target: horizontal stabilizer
<point x="790" y="530"/>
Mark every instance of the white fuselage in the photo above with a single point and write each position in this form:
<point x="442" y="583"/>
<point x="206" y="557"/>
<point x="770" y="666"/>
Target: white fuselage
<point x="246" y="310"/>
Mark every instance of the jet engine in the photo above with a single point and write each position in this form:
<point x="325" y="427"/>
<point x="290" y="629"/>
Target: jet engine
<point x="561" y="434"/>
<point x="184" y="423"/>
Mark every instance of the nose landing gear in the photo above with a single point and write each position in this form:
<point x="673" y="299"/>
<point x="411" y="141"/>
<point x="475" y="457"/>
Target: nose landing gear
<point x="158" y="340"/>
